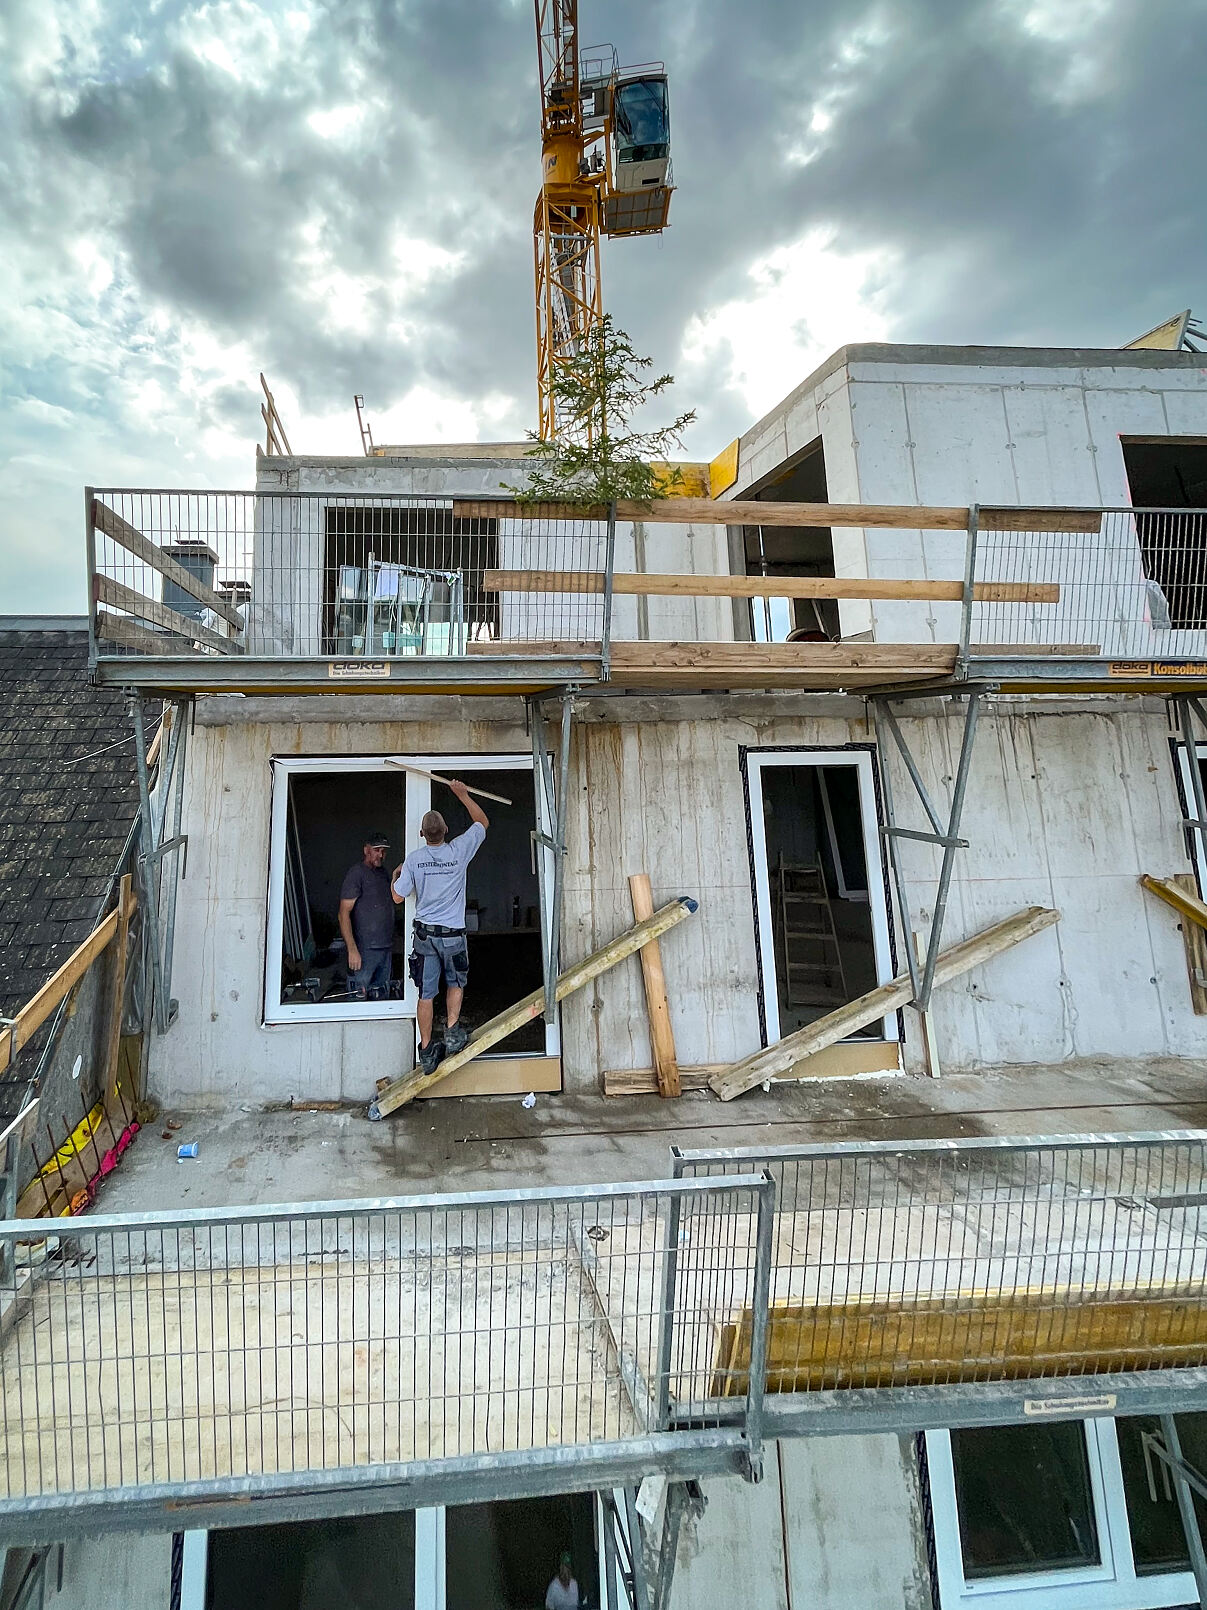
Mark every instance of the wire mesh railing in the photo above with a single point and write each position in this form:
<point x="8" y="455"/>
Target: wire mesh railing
<point x="306" y="575"/>
<point x="936" y="1263"/>
<point x="157" y="1352"/>
<point x="1117" y="583"/>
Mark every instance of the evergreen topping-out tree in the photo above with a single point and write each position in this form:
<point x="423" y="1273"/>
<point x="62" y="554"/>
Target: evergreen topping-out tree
<point x="596" y="458"/>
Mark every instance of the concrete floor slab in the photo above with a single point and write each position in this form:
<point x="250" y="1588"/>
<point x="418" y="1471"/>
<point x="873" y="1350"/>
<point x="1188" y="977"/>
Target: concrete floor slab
<point x="494" y="1143"/>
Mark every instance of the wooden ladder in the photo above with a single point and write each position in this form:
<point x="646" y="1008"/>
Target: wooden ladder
<point x="807" y="919"/>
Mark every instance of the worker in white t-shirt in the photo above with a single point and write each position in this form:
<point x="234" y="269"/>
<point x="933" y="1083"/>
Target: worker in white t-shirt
<point x="563" y="1590"/>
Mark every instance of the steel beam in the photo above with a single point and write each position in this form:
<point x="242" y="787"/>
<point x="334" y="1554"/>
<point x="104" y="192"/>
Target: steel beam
<point x="373" y="1489"/>
<point x="201" y="673"/>
<point x="557" y="796"/>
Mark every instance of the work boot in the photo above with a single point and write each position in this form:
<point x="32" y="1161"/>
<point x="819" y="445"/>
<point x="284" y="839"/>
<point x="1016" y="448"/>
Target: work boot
<point x="455" y="1039"/>
<point x="431" y="1055"/>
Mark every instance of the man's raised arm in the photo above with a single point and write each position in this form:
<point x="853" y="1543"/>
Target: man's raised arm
<point x="476" y="813"/>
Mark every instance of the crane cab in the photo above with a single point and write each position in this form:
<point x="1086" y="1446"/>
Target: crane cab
<point x="639" y="192"/>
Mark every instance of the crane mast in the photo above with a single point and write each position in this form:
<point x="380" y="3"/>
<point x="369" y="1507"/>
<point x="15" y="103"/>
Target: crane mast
<point x="594" y="180"/>
<point x="566" y="223"/>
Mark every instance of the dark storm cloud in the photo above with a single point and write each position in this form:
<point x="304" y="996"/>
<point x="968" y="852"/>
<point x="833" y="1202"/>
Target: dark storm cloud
<point x="1034" y="182"/>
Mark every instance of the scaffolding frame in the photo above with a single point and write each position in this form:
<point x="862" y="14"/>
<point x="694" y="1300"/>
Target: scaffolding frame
<point x="944" y="829"/>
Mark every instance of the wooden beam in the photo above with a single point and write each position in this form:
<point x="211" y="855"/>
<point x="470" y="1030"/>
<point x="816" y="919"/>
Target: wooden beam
<point x="816" y="516"/>
<point x="1077" y="521"/>
<point x="1185" y="903"/>
<point x="776" y="1059"/>
<point x="966" y="1335"/>
<point x="706" y="511"/>
<point x="644" y="1081"/>
<point x="764" y="657"/>
<point x="662" y="1037"/>
<point x="35" y="1012"/>
<point x="129" y="537"/>
<point x="127" y="905"/>
<point x="129" y="634"/>
<point x="532" y="1006"/>
<point x="107" y="591"/>
<point x="649" y="585"/>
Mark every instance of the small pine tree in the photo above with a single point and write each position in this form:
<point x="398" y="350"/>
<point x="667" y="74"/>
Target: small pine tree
<point x="596" y="458"/>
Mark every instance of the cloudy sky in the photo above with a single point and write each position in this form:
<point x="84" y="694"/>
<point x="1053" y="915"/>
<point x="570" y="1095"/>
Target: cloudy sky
<point x="339" y="192"/>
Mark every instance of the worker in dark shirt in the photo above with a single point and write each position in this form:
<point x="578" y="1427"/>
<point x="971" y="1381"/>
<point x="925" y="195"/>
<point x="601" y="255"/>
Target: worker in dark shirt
<point x="366" y="919"/>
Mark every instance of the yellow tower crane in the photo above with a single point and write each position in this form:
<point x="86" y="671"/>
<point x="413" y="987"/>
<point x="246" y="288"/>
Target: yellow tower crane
<point x="605" y="151"/>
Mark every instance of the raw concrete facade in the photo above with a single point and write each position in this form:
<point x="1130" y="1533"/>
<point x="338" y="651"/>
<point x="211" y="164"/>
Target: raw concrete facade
<point x="1068" y="805"/>
<point x="1070" y="800"/>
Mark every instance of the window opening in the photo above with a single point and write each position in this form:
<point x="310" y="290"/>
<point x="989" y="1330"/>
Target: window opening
<point x="505" y="1556"/>
<point x="330" y="815"/>
<point x="793" y="551"/>
<point x="1171" y="475"/>
<point x="362" y="1562"/>
<point x="1024" y="1499"/>
<point x="502" y="904"/>
<point x="819" y="886"/>
<point x="641" y="119"/>
<point x="403" y="580"/>
<point x="1039" y="1516"/>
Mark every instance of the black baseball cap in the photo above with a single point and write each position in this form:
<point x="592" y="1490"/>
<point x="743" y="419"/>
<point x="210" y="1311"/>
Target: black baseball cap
<point x="378" y="841"/>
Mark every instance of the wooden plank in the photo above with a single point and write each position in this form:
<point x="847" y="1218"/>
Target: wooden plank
<point x="1079" y="521"/>
<point x="1033" y="651"/>
<point x="1184" y="901"/>
<point x="1194" y="939"/>
<point x="706" y="511"/>
<point x="111" y="523"/>
<point x="435" y="777"/>
<point x="532" y="1006"/>
<point x="507" y="648"/>
<point x="763" y="657"/>
<point x="127" y="905"/>
<point x="107" y="591"/>
<point x="857" y="1014"/>
<point x="662" y="1036"/>
<point x="644" y="1081"/>
<point x="36" y="1010"/>
<point x="502" y="1076"/>
<point x="648" y="584"/>
<point x="129" y="634"/>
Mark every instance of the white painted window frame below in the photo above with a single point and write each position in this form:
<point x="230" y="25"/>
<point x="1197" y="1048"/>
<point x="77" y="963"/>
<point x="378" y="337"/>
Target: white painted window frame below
<point x="417" y="800"/>
<point x="1111" y="1585"/>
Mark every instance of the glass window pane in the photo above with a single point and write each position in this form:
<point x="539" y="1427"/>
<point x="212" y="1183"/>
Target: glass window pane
<point x="1024" y="1499"/>
<point x="507" y="1556"/>
<point x="1158" y="1540"/>
<point x="361" y="1562"/>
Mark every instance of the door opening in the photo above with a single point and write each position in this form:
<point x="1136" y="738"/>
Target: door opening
<point x="506" y="1556"/>
<point x="819" y="886"/>
<point x="502" y="903"/>
<point x="361" y="1562"/>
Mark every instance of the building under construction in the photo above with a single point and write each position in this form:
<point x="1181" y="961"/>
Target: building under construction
<point x="842" y="909"/>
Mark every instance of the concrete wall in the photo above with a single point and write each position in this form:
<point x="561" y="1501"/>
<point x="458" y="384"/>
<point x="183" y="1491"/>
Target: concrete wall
<point x="951" y="425"/>
<point x="289" y="544"/>
<point x="122" y="1571"/>
<point x="836" y="1523"/>
<point x="1067" y="805"/>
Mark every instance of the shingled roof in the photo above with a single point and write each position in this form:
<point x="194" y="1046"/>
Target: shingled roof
<point x="68" y="798"/>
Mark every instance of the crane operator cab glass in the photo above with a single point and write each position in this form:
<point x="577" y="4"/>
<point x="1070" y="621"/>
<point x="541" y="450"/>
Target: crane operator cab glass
<point x="641" y="134"/>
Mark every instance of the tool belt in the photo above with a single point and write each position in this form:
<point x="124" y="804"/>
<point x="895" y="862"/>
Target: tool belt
<point x="432" y="930"/>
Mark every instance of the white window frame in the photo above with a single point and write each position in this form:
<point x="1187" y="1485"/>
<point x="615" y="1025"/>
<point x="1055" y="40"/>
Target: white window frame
<point x="417" y="800"/>
<point x="1112" y="1585"/>
<point x="862" y="761"/>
